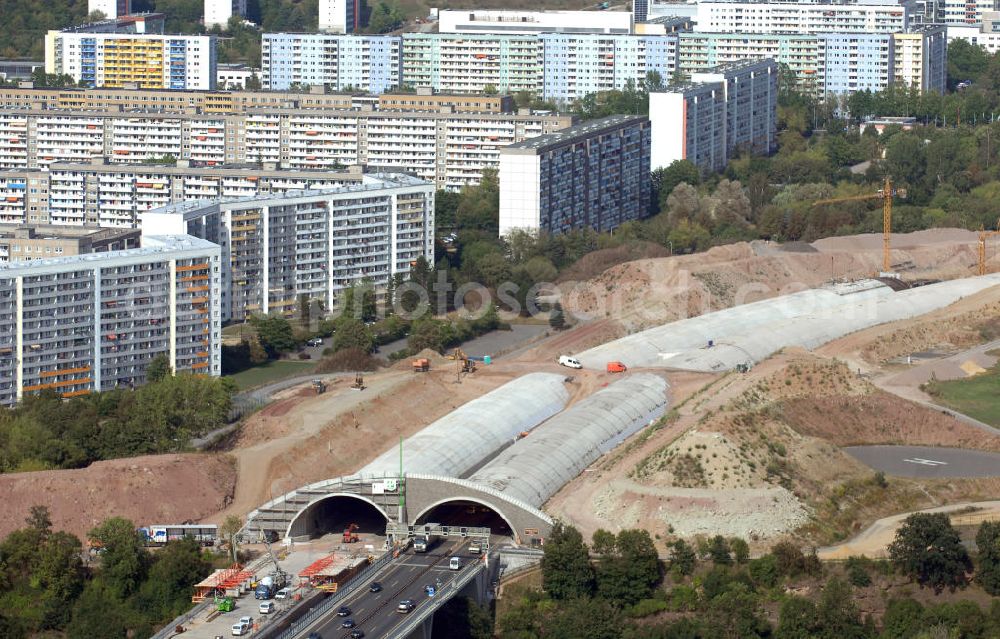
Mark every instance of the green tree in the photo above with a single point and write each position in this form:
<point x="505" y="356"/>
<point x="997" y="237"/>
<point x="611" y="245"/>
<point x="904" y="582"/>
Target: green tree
<point x="718" y="550"/>
<point x="988" y="543"/>
<point x="566" y="569"/>
<point x="178" y="566"/>
<point x="682" y="557"/>
<point x="628" y="569"/>
<point x="59" y="576"/>
<point x="929" y="550"/>
<point x="557" y="319"/>
<point x="352" y="333"/>
<point x="275" y="333"/>
<point x="124" y="560"/>
<point x="667" y="178"/>
<point x="797" y="620"/>
<point x="903" y="619"/>
<point x="229" y="533"/>
<point x="158" y="368"/>
<point x="740" y="548"/>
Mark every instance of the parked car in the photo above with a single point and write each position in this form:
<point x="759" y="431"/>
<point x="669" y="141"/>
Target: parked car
<point x="316" y="341"/>
<point x="571" y="362"/>
<point x="265" y="607"/>
<point x="240" y="628"/>
<point x="284" y="593"/>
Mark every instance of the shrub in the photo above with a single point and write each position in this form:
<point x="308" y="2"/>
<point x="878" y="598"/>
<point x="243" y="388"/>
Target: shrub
<point x="347" y="360"/>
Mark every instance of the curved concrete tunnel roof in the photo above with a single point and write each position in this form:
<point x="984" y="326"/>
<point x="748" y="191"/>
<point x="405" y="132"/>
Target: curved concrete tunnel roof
<point x="750" y="333"/>
<point x="472" y="434"/>
<point x="536" y="467"/>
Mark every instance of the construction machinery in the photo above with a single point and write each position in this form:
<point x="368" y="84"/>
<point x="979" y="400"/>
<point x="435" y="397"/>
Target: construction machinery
<point x="319" y="386"/>
<point x="359" y="382"/>
<point x="983" y="236"/>
<point x="465" y="364"/>
<point x="886" y="194"/>
<point x="421" y="365"/>
<point x="350" y="536"/>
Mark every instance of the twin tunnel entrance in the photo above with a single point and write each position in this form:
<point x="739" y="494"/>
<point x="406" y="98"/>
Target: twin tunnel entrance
<point x="334" y="514"/>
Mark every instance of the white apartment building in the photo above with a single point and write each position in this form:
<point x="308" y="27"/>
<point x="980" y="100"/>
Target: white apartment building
<point x="110" y="8"/>
<point x="754" y="16"/>
<point x="448" y="148"/>
<point x="339" y="16"/>
<point x="148" y="61"/>
<point x="967" y="12"/>
<point x="234" y="77"/>
<point x="986" y="35"/>
<point x="750" y="91"/>
<point x="342" y="62"/>
<point x="316" y="244"/>
<point x="93" y="322"/>
<point x="527" y="22"/>
<point x="218" y="12"/>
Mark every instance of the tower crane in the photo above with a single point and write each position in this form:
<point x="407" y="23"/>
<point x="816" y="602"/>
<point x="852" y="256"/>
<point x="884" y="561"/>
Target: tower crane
<point x="983" y="236"/>
<point x="886" y="194"/>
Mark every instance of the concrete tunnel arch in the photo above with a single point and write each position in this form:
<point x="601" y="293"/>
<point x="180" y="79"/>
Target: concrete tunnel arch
<point x="305" y="524"/>
<point x="420" y="518"/>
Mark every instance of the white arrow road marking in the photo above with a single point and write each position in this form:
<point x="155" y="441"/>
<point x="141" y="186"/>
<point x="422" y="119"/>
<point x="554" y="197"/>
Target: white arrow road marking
<point x="926" y="462"/>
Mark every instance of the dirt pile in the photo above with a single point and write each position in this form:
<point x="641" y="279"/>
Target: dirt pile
<point x="155" y="489"/>
<point x="956" y="332"/>
<point x="650" y="292"/>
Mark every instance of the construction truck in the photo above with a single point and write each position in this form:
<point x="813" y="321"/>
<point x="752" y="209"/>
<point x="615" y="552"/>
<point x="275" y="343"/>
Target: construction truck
<point x="319" y="386"/>
<point x="224" y="604"/>
<point x="268" y="586"/>
<point x="424" y="542"/>
<point x="421" y="365"/>
<point x="350" y="536"/>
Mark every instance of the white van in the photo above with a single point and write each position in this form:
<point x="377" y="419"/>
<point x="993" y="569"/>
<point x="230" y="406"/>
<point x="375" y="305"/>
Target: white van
<point x="455" y="564"/>
<point x="571" y="362"/>
<point x="284" y="593"/>
<point x="266" y="607"/>
<point x="241" y="628"/>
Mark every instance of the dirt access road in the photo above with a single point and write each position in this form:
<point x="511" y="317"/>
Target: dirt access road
<point x="874" y="541"/>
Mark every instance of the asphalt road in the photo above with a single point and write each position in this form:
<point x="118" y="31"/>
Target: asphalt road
<point x="927" y="462"/>
<point x="405" y="578"/>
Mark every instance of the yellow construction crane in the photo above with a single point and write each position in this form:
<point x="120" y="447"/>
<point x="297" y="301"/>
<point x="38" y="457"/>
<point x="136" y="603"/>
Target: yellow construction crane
<point x="983" y="236"/>
<point x="886" y="194"/>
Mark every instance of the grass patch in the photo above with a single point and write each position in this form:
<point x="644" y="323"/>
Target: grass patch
<point x="271" y="371"/>
<point x="973" y="396"/>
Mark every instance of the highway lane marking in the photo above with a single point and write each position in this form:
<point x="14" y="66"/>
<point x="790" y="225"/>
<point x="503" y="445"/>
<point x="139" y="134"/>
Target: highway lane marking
<point x="925" y="462"/>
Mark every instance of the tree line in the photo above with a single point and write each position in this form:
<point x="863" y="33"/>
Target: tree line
<point x="618" y="587"/>
<point x="46" y="432"/>
<point x="52" y="586"/>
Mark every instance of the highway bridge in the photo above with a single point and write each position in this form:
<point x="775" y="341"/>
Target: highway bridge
<point x="427" y="579"/>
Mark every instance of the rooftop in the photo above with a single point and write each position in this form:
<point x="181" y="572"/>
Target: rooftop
<point x="579" y="131"/>
<point x="152" y="245"/>
<point x="369" y="183"/>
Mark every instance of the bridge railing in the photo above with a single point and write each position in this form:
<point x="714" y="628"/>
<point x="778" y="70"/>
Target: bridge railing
<point x="334" y="600"/>
<point x="470" y="572"/>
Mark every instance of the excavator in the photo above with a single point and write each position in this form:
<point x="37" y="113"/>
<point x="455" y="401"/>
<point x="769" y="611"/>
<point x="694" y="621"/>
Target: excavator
<point x="465" y="363"/>
<point x="350" y="536"/>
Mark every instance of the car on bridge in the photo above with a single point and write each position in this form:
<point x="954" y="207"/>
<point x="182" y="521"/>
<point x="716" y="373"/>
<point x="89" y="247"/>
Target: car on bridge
<point x="375" y="587"/>
<point x="406" y="606"/>
<point x="344" y="612"/>
<point x="348" y="623"/>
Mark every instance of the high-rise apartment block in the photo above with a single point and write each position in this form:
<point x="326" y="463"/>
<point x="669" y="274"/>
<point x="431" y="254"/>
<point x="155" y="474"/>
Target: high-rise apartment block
<point x="593" y="175"/>
<point x="339" y="16"/>
<point x="967" y="12"/>
<point x="986" y="34"/>
<point x="527" y="22"/>
<point x="727" y="110"/>
<point x="313" y="244"/>
<point x="556" y="66"/>
<point x="451" y="149"/>
<point x="218" y="12"/>
<point x="149" y="61"/>
<point x="369" y="63"/>
<point x="793" y="18"/>
<point x="94" y="322"/>
<point x="829" y="64"/>
<point x="110" y="8"/>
